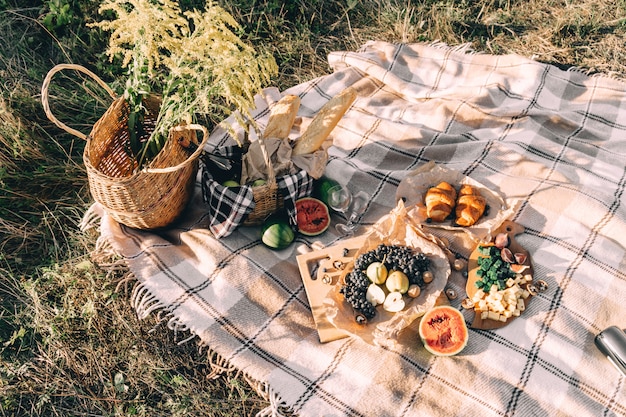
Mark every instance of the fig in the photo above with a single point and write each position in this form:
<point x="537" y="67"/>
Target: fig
<point x="507" y="255"/>
<point x="502" y="240"/>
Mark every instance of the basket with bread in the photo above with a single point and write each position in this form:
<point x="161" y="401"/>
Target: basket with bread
<point x="245" y="184"/>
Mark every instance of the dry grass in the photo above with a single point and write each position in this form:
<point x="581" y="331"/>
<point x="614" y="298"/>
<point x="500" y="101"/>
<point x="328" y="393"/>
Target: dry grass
<point x="70" y="344"/>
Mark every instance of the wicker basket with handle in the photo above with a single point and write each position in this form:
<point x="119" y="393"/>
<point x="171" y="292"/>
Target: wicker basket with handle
<point x="267" y="197"/>
<point x="152" y="197"/>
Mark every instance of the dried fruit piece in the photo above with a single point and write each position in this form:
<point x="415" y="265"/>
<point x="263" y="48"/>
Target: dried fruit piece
<point x="451" y="294"/>
<point x="459" y="264"/>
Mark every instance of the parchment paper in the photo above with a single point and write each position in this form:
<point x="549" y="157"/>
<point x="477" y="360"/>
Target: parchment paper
<point x="414" y="186"/>
<point x="396" y="228"/>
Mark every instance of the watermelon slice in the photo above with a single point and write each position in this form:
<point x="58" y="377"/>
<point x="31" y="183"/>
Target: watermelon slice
<point x="312" y="216"/>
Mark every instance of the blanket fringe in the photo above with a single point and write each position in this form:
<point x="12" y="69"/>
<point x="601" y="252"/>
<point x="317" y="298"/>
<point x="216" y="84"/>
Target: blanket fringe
<point x="277" y="407"/>
<point x="145" y="305"/>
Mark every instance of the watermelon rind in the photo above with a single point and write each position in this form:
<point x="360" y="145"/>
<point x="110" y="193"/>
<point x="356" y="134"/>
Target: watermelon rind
<point x="277" y="233"/>
<point x="443" y="331"/>
<point x="321" y="187"/>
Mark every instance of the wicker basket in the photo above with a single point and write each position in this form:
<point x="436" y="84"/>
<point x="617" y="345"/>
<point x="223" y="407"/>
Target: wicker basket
<point x="147" y="199"/>
<point x="267" y="199"/>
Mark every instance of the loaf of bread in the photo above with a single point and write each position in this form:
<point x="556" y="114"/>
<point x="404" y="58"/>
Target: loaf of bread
<point x="440" y="201"/>
<point x="282" y="115"/>
<point x="324" y="122"/>
<point x="470" y="206"/>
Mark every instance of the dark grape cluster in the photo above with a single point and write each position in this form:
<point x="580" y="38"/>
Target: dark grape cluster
<point x="400" y="258"/>
<point x="354" y="292"/>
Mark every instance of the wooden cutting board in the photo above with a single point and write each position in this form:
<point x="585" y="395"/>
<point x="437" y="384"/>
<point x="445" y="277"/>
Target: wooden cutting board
<point x="324" y="268"/>
<point x="512" y="229"/>
<point x="320" y="270"/>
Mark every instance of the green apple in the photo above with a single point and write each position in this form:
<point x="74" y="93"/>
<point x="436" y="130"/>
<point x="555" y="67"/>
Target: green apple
<point x="259" y="182"/>
<point x="375" y="295"/>
<point x="397" y="281"/>
<point x="376" y="272"/>
<point x="230" y="183"/>
<point x="394" y="302"/>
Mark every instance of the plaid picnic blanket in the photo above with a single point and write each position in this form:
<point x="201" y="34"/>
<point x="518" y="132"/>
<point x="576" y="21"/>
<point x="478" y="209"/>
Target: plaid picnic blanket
<point x="554" y="139"/>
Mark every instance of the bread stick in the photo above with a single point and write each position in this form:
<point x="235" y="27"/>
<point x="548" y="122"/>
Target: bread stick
<point x="282" y="116"/>
<point x="324" y="122"/>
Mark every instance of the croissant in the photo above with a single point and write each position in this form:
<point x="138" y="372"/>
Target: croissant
<point x="440" y="201"/>
<point x="470" y="206"/>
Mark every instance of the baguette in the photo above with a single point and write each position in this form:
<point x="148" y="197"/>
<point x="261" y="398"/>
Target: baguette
<point x="282" y="116"/>
<point x="440" y="201"/>
<point x="324" y="122"/>
<point x="470" y="206"/>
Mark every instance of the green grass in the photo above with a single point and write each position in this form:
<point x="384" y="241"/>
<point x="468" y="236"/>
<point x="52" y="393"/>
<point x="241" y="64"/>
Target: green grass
<point x="70" y="344"/>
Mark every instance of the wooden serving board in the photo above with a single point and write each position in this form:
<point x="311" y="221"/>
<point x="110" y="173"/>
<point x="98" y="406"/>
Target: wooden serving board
<point x="512" y="229"/>
<point x="321" y="270"/>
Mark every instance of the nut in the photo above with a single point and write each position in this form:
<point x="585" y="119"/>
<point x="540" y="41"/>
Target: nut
<point x="467" y="303"/>
<point x="414" y="291"/>
<point x="451" y="294"/>
<point x="532" y="289"/>
<point x="541" y="285"/>
<point x="458" y="264"/>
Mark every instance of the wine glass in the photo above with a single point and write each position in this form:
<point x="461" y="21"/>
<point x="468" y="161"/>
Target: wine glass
<point x="341" y="200"/>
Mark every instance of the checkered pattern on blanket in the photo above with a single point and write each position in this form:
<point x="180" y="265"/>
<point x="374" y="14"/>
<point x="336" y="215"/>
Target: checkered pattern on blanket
<point x="554" y="139"/>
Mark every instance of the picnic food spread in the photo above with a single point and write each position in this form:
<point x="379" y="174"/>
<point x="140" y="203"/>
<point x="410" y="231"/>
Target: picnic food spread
<point x="541" y="145"/>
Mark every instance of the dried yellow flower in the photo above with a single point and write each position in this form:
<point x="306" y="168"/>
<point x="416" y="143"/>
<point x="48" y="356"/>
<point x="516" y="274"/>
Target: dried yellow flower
<point x="194" y="60"/>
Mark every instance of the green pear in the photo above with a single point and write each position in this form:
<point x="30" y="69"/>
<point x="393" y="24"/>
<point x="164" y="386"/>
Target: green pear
<point x="377" y="272"/>
<point x="397" y="281"/>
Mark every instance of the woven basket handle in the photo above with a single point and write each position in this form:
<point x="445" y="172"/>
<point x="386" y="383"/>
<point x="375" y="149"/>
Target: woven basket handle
<point x="271" y="175"/>
<point x="194" y="155"/>
<point x="46" y="85"/>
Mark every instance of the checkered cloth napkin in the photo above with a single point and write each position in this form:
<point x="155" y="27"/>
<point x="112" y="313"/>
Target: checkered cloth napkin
<point x="227" y="207"/>
<point x="554" y="139"/>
